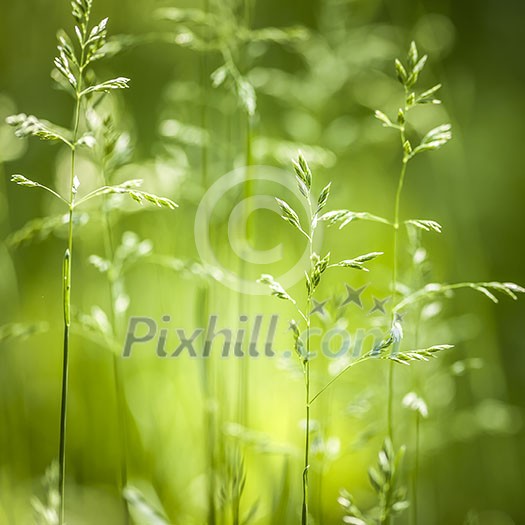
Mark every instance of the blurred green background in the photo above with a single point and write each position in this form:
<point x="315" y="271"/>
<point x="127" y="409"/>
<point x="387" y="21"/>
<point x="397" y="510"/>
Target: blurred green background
<point x="317" y="93"/>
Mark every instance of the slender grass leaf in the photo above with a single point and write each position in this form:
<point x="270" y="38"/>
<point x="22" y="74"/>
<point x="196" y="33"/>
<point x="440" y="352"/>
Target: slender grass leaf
<point x="401" y="72"/>
<point x="41" y="228"/>
<point x="358" y="262"/>
<point x="289" y="214"/>
<point x="426" y="225"/>
<point x="107" y="86"/>
<point x="276" y="288"/>
<point x="323" y="198"/>
<point x="345" y="217"/>
<point x="387" y="123"/>
<point x="29" y="125"/>
<point x="303" y="171"/>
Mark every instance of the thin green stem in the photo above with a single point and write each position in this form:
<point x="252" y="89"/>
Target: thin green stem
<point x="306" y="365"/>
<point x="92" y="194"/>
<point x="390" y="406"/>
<point x="68" y="257"/>
<point x="109" y="249"/>
<point x="304" y="518"/>
<point x="336" y="377"/>
<point x="67" y="283"/>
<point x="416" y="471"/>
<point x="395" y="269"/>
<point x="54" y="193"/>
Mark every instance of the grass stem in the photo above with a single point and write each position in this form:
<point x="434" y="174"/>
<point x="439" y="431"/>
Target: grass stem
<point x="395" y="268"/>
<point x="67" y="283"/>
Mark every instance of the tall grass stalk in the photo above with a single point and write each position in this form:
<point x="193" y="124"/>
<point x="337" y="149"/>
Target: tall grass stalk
<point x="306" y="366"/>
<point x="82" y="14"/>
<point x="408" y="78"/>
<point x="116" y="322"/>
<point x="114" y="151"/>
<point x="317" y="267"/>
<point x="395" y="266"/>
<point x="72" y="73"/>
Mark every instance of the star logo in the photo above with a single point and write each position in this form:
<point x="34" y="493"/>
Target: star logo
<point x="354" y="296"/>
<point x="399" y="317"/>
<point x="319" y="308"/>
<point x="379" y="305"/>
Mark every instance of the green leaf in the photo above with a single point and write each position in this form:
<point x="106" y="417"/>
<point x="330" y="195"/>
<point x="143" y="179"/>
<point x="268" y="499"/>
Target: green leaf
<point x="98" y="32"/>
<point x="413" y="55"/>
<point x="401" y="117"/>
<point x="23" y="181"/>
<point x="353" y="515"/>
<point x="375" y="479"/>
<point x="387" y="123"/>
<point x="21" y="331"/>
<point x="407" y="149"/>
<point x="303" y="171"/>
<point x="289" y="215"/>
<point x="427" y="97"/>
<point x="319" y="266"/>
<point x="66" y="47"/>
<point x="81" y="10"/>
<point x="510" y="289"/>
<point x="432" y="289"/>
<point x="130" y="188"/>
<point x="107" y="86"/>
<point x="401" y="72"/>
<point x="345" y="217"/>
<point x="276" y="288"/>
<point x="141" y="196"/>
<point x="425" y="354"/>
<point x="41" y="228"/>
<point x="411" y="100"/>
<point x="299" y="346"/>
<point x="96" y="42"/>
<point x="418" y="67"/>
<point x="29" y="125"/>
<point x="62" y="66"/>
<point x="425" y="225"/>
<point x="305" y="192"/>
<point x="358" y="262"/>
<point x="323" y="198"/>
<point x="434" y="139"/>
<point x="415" y="71"/>
<point x="486" y="292"/>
